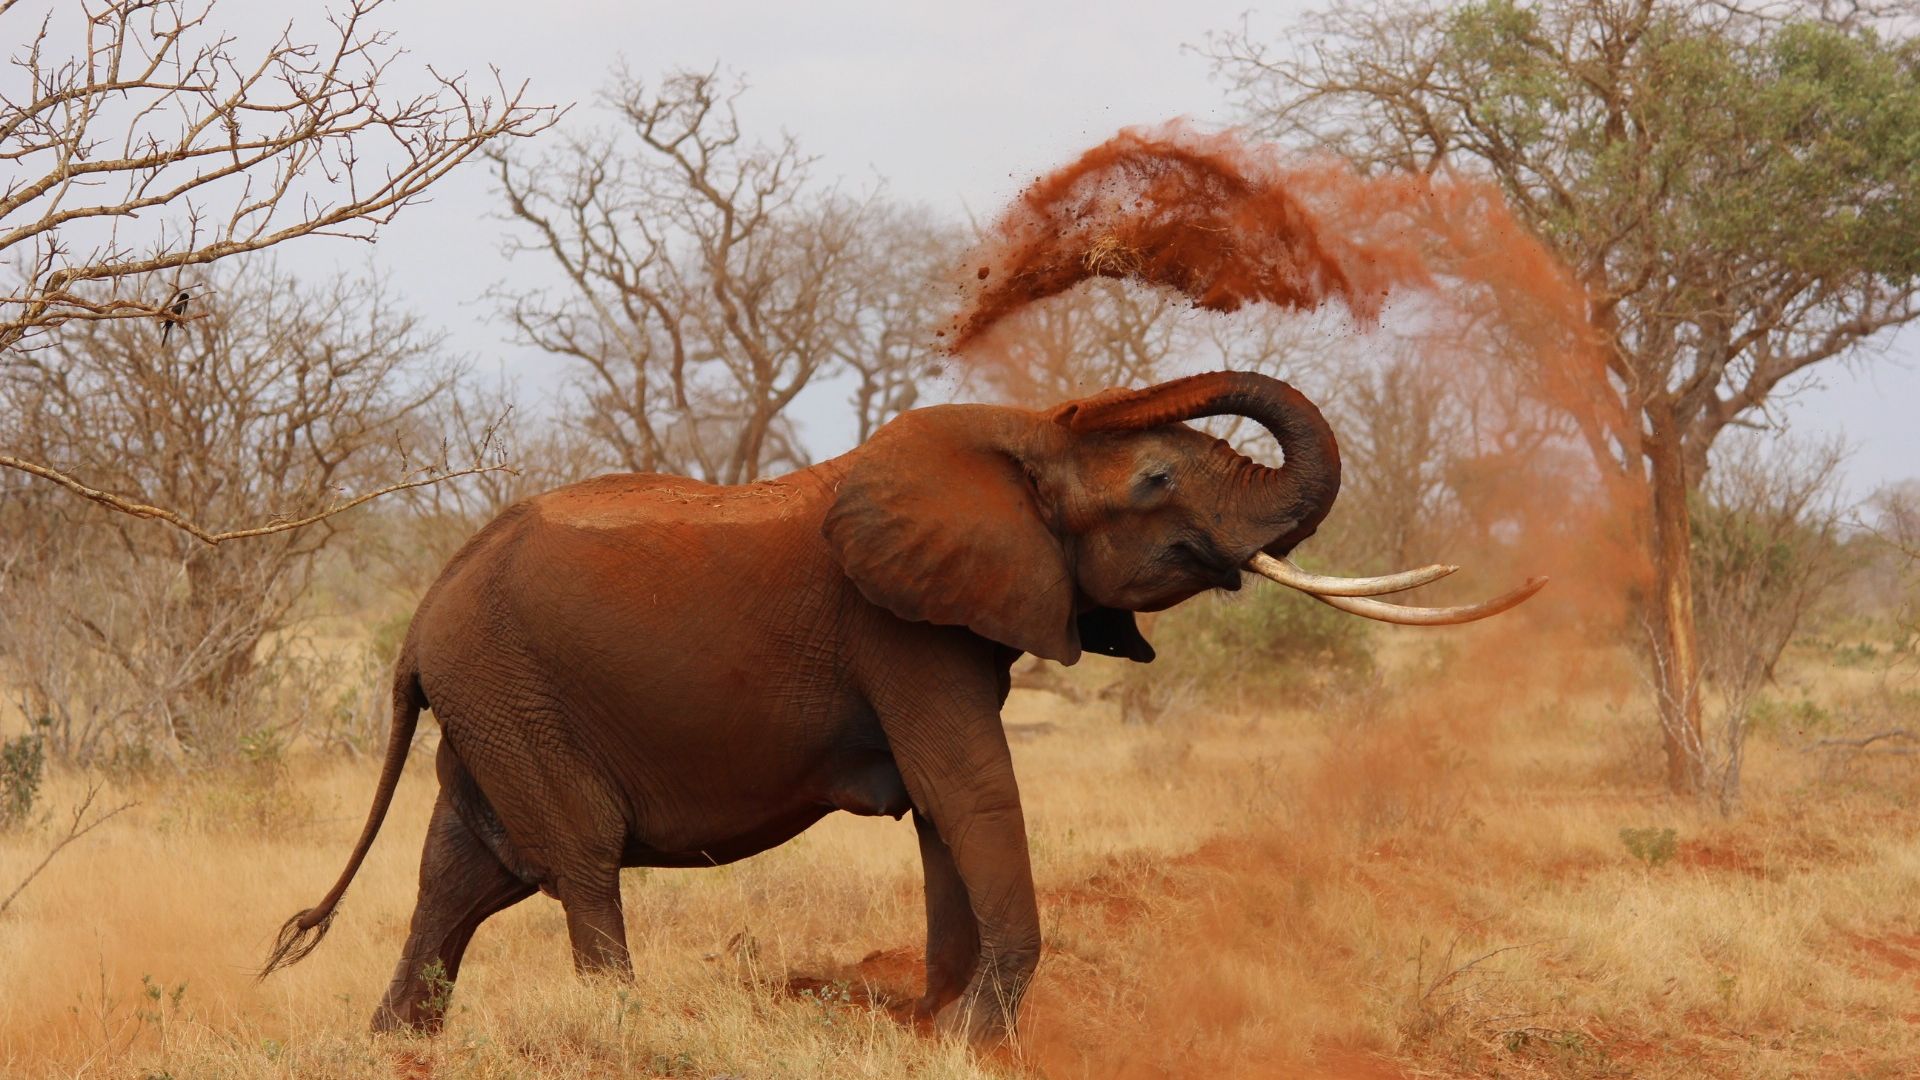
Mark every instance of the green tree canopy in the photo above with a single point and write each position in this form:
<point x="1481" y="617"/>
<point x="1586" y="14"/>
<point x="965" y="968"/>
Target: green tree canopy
<point x="1736" y="185"/>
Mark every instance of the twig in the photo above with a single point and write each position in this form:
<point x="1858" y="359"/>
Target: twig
<point x="1863" y="743"/>
<point x="1449" y="976"/>
<point x="75" y="830"/>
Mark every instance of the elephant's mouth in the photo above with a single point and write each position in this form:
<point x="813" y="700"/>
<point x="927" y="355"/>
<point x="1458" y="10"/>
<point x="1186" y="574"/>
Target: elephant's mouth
<point x="1213" y="566"/>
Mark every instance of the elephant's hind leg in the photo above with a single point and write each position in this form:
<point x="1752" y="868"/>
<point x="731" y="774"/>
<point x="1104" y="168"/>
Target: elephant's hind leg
<point x="461" y="883"/>
<point x="589" y="890"/>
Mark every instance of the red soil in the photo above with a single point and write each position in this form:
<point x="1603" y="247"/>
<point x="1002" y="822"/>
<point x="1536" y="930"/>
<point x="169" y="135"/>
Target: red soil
<point x="1224" y="223"/>
<point x="888" y="980"/>
<point x="1720" y="856"/>
<point x="1898" y="951"/>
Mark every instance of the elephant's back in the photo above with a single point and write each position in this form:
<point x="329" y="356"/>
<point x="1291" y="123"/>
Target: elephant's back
<point x="657" y="502"/>
<point x="635" y="586"/>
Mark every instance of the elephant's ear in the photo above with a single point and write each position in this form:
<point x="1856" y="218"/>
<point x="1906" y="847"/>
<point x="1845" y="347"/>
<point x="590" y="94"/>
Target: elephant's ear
<point x="938" y="521"/>
<point x="1113" y="632"/>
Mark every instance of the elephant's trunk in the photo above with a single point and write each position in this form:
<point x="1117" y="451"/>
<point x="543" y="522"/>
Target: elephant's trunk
<point x="1292" y="499"/>
<point x="1288" y="502"/>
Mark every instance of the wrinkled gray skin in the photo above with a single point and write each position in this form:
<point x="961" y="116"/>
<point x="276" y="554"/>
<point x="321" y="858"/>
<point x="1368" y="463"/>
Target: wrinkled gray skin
<point x="651" y="671"/>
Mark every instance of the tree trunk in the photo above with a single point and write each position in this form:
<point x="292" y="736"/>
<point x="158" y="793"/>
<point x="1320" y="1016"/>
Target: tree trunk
<point x="228" y="633"/>
<point x="1675" y="642"/>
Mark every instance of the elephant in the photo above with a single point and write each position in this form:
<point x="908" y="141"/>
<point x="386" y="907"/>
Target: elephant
<point x="648" y="670"/>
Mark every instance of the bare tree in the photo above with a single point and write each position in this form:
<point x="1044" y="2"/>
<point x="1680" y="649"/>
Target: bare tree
<point x="708" y="280"/>
<point x="1767" y="550"/>
<point x="1103" y="334"/>
<point x="279" y="396"/>
<point x="1730" y="181"/>
<point x="1898" y="511"/>
<point x="157" y="146"/>
<point x="83" y="821"/>
<point x="902" y="272"/>
<point x="1397" y="444"/>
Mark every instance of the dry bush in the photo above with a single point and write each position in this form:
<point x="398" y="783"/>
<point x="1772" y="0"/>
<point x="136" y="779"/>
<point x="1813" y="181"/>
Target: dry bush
<point x="147" y="144"/>
<point x="1766" y="552"/>
<point x="142" y="640"/>
<point x="1896" y="530"/>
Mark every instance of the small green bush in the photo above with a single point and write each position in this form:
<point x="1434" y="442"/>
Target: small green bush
<point x="1651" y="846"/>
<point x="1771" y="716"/>
<point x="1858" y="654"/>
<point x="23" y="765"/>
<point x="1264" y="631"/>
<point x="388" y="635"/>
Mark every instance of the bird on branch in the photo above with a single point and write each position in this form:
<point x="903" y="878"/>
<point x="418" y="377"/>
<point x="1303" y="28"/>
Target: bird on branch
<point x="177" y="310"/>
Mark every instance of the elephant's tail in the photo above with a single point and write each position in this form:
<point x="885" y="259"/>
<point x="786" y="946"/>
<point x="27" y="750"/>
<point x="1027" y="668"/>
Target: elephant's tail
<point x="300" y="934"/>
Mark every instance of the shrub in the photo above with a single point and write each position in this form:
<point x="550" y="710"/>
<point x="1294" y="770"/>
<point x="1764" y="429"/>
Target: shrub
<point x="1265" y="630"/>
<point x="1650" y="845"/>
<point x="23" y="764"/>
<point x="1218" y="645"/>
<point x="1773" y="716"/>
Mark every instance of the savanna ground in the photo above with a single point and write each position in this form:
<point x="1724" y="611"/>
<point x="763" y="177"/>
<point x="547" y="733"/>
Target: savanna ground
<point x="1425" y="876"/>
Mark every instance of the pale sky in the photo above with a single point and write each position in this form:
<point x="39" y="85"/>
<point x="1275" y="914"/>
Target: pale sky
<point x="951" y="105"/>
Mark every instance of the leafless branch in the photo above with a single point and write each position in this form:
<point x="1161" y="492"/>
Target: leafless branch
<point x="139" y="509"/>
<point x="77" y="828"/>
<point x="1868" y="740"/>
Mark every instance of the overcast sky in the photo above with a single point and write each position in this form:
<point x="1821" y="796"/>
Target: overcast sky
<point x="952" y="105"/>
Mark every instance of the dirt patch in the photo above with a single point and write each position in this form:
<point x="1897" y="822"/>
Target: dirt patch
<point x="1116" y="898"/>
<point x="885" y="980"/>
<point x="1900" y="952"/>
<point x="412" y="1065"/>
<point x="1720" y="856"/>
<point x="1339" y="1063"/>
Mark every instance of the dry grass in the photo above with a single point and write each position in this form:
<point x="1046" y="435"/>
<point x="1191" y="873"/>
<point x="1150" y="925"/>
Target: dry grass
<point x="1427" y="884"/>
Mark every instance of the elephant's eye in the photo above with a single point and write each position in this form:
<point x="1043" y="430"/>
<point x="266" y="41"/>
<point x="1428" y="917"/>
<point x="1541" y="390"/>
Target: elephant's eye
<point x="1153" y="484"/>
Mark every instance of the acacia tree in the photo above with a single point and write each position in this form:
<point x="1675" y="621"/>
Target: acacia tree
<point x="141" y="143"/>
<point x="1736" y="185"/>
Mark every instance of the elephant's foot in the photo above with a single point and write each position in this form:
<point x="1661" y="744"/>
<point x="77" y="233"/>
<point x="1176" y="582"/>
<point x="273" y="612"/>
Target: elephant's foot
<point x="406" y="1019"/>
<point x="983" y="1024"/>
<point x="985" y="1014"/>
<point x="943" y="988"/>
<point x="415" y="1005"/>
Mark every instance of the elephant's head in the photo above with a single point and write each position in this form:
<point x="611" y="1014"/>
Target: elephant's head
<point x="1045" y="531"/>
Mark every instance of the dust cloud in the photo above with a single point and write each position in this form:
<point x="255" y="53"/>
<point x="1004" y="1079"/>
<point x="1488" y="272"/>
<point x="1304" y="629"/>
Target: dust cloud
<point x="1256" y="978"/>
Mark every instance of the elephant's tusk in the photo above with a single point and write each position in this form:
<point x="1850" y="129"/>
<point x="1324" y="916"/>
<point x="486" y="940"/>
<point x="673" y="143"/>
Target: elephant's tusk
<point x="1286" y="573"/>
<point x="1431" y="616"/>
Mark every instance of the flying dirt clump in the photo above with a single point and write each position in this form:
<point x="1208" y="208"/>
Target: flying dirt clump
<point x="1167" y="206"/>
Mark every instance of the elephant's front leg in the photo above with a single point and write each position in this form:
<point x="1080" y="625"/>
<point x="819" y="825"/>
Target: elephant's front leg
<point x="953" y="937"/>
<point x="954" y="759"/>
<point x="991" y="855"/>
